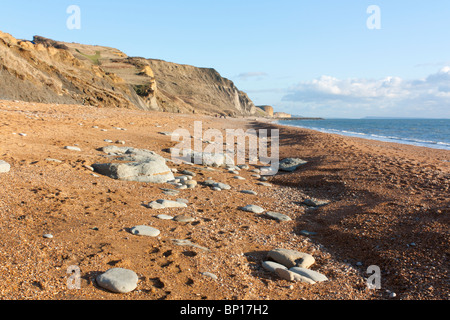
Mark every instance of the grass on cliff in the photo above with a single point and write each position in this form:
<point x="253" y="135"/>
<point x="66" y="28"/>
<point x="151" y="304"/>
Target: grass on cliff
<point x="95" y="59"/>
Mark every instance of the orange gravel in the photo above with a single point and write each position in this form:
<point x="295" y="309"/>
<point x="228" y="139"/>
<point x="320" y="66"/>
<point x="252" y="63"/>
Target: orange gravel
<point x="389" y="207"/>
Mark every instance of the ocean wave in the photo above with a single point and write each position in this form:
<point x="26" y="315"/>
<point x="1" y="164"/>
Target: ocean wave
<point x="372" y="136"/>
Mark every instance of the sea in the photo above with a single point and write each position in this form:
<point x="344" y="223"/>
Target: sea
<point x="431" y="133"/>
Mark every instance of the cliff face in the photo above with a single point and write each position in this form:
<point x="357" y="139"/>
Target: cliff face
<point x="49" y="71"/>
<point x="42" y="71"/>
<point x="188" y="89"/>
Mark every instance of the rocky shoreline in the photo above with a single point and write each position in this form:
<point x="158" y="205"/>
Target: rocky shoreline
<point x="139" y="226"/>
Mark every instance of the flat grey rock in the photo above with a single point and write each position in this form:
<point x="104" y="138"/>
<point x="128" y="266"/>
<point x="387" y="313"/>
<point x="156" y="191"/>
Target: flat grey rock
<point x="313" y="275"/>
<point x="188" y="243"/>
<point x="72" y="148"/>
<point x="4" y="166"/>
<point x="149" y="171"/>
<point x="291" y="164"/>
<point x="118" y="280"/>
<point x="272" y="266"/>
<point x="265" y="184"/>
<point x="184" y="218"/>
<point x="222" y="186"/>
<point x="252" y="208"/>
<point x="249" y="192"/>
<point x="292" y="276"/>
<point x="210" y="275"/>
<point x="164" y="217"/>
<point x="291" y="258"/>
<point x="145" y="231"/>
<point x="277" y="216"/>
<point x="163" y="204"/>
<point x="315" y="202"/>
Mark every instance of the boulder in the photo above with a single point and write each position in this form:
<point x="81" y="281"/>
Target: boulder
<point x="291" y="164"/>
<point x="150" y="171"/>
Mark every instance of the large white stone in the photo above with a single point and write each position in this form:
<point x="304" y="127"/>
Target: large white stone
<point x="118" y="280"/>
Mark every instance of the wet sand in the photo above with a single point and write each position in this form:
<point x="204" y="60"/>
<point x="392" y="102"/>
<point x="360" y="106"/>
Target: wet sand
<point x="388" y="207"/>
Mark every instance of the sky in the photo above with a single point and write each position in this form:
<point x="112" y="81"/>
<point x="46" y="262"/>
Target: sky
<point x="314" y="58"/>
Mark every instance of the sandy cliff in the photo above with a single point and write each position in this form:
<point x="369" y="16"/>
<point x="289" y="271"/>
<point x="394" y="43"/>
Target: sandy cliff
<point x="48" y="71"/>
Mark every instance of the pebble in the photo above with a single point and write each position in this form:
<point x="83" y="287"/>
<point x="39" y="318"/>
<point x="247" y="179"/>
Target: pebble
<point x="162" y="204"/>
<point x="22" y="134"/>
<point x="209" y="275"/>
<point x="107" y="140"/>
<point x="239" y="178"/>
<point x="265" y="184"/>
<point x="315" y="202"/>
<point x="53" y="160"/>
<point x="249" y="192"/>
<point x="191" y="184"/>
<point x="278" y="216"/>
<point x="252" y="208"/>
<point x="222" y="186"/>
<point x="118" y="280"/>
<point x="4" y="166"/>
<point x="48" y="236"/>
<point x="72" y="148"/>
<point x="188" y="243"/>
<point x="164" y="217"/>
<point x="307" y="233"/>
<point x="184" y="218"/>
<point x="145" y="231"/>
<point x="188" y="173"/>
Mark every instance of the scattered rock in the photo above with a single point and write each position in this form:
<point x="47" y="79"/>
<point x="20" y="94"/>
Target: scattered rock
<point x="239" y="178"/>
<point x="4" y="166"/>
<point x="53" y="160"/>
<point x="313" y="275"/>
<point x="307" y="233"/>
<point x="151" y="169"/>
<point x="292" y="276"/>
<point x="164" y="217"/>
<point x="118" y="280"/>
<point x="72" y="148"/>
<point x="210" y="275"/>
<point x="272" y="266"/>
<point x="48" y="236"/>
<point x="291" y="164"/>
<point x="291" y="258"/>
<point x="163" y="204"/>
<point x="145" y="231"/>
<point x="249" y="192"/>
<point x="188" y="243"/>
<point x="265" y="184"/>
<point x="315" y="202"/>
<point x="184" y="218"/>
<point x="278" y="216"/>
<point x="188" y="173"/>
<point x="252" y="208"/>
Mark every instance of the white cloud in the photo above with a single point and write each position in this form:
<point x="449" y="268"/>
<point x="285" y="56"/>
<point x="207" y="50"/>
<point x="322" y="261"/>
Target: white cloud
<point x="391" y="95"/>
<point x="247" y="75"/>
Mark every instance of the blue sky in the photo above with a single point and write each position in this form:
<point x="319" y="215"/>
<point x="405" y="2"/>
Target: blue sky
<point x="311" y="58"/>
